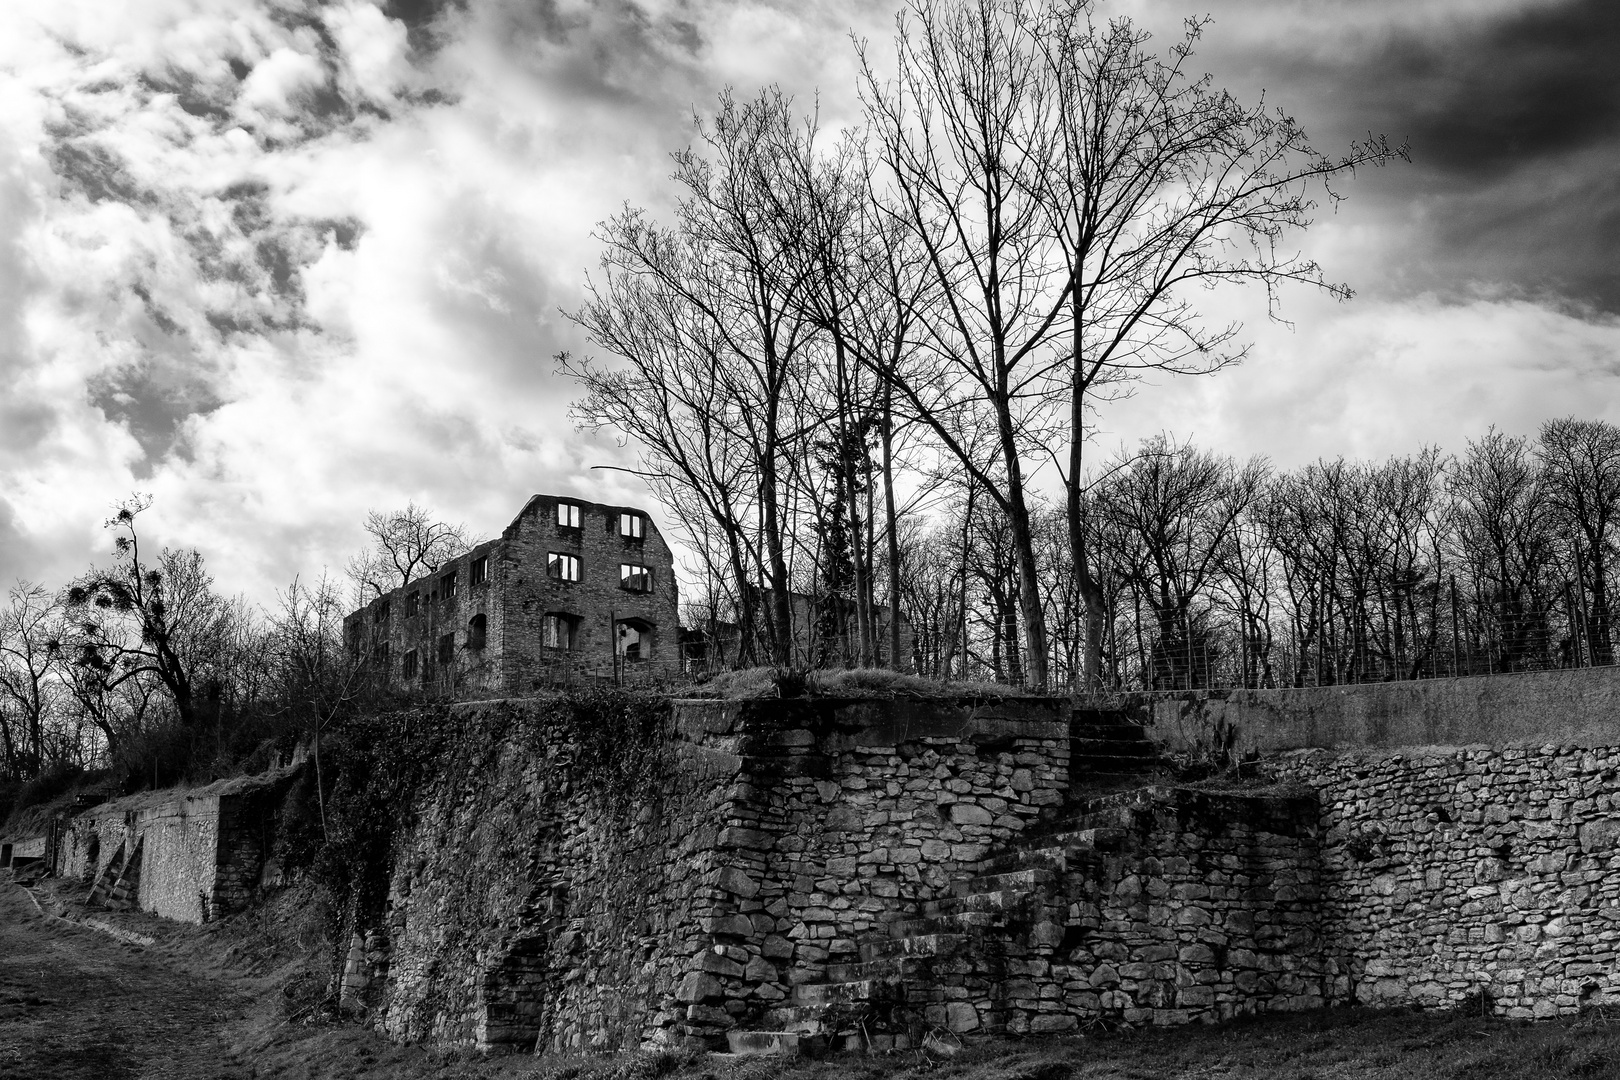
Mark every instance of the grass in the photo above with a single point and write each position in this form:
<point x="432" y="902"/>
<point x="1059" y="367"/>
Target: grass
<point x="1344" y="1044"/>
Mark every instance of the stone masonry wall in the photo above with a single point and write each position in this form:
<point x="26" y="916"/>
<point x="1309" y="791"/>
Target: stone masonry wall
<point x="1209" y="907"/>
<point x="539" y="901"/>
<point x="861" y="872"/>
<point x="529" y="909"/>
<point x="1449" y="872"/>
<point x="852" y="817"/>
<point x="201" y="850"/>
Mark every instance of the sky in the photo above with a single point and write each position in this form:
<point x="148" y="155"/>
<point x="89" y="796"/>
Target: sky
<point x="277" y="263"/>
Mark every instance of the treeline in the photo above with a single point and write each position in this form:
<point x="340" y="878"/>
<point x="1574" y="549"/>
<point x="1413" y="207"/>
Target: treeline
<point x="141" y="666"/>
<point x="830" y="333"/>
<point x="1218" y="572"/>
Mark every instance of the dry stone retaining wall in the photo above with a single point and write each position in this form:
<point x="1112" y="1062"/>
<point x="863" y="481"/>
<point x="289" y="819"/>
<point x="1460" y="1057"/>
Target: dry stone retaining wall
<point x="530" y="908"/>
<point x="1454" y="872"/>
<point x="1208" y="908"/>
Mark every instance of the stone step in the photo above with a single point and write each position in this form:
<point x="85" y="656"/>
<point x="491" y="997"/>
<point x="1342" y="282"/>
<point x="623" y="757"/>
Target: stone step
<point x="1052" y="848"/>
<point x="1139" y="753"/>
<point x="890" y="969"/>
<point x="963" y="923"/>
<point x="843" y="993"/>
<point x="992" y="901"/>
<point x="777" y="1043"/>
<point x="1111" y="732"/>
<point x="806" y="1020"/>
<point x="919" y="945"/>
<point x="1029" y="879"/>
<point x="1098" y="716"/>
<point x="1112" y="763"/>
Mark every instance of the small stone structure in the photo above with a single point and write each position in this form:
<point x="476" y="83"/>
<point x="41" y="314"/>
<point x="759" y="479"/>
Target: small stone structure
<point x="185" y="854"/>
<point x="570" y="588"/>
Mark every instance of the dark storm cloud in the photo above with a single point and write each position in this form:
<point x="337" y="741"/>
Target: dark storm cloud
<point x="1539" y="85"/>
<point x="1513" y="122"/>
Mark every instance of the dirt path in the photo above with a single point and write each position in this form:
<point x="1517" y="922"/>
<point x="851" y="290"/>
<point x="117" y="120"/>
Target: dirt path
<point x="75" y="1003"/>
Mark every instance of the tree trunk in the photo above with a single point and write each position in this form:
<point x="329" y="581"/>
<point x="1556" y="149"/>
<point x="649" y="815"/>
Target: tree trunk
<point x="895" y="660"/>
<point x="1017" y="509"/>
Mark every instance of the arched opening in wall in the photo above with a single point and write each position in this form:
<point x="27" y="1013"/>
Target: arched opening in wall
<point x="92" y="856"/>
<point x="477" y="631"/>
<point x="632" y="639"/>
<point x="512" y="1007"/>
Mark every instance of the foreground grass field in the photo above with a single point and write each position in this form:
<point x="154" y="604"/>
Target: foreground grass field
<point x="222" y="1002"/>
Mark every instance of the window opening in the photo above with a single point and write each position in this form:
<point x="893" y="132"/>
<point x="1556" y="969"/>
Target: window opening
<point x="413" y="603"/>
<point x="379" y="614"/>
<point x="478" y="572"/>
<point x="447" y="648"/>
<point x="567" y="515"/>
<point x="562" y="567"/>
<point x="557" y="630"/>
<point x="447" y="586"/>
<point x="477" y="628"/>
<point x="632" y="525"/>
<point x="407" y="665"/>
<point x="632" y="639"/>
<point x="634" y="578"/>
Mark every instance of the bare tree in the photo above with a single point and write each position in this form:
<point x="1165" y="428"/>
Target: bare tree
<point x="1503" y="537"/>
<point x="1581" y="460"/>
<point x="964" y="133"/>
<point x="138" y="618"/>
<point x="405" y="545"/>
<point x="1157" y="183"/>
<point x="316" y="678"/>
<point x="27" y="659"/>
<point x="708" y="317"/>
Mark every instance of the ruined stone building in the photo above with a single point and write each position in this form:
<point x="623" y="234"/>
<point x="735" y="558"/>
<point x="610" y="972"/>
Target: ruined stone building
<point x="569" y="588"/>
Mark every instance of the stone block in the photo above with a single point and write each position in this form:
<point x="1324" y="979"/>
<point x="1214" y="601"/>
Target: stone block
<point x="970" y="814"/>
<point x="738" y="837"/>
<point x="961" y="1016"/>
<point x="1050" y="1023"/>
<point x="734" y="881"/>
<point x="699" y="986"/>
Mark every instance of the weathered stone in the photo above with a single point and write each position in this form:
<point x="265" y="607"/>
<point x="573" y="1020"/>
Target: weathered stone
<point x="734" y="881"/>
<point x="738" y="837"/>
<point x="712" y="961"/>
<point x="699" y="986"/>
<point x="961" y="1016"/>
<point x="970" y="814"/>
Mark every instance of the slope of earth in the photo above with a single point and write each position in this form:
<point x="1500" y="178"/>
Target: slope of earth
<point x="77" y="1004"/>
<point x="234" y="1001"/>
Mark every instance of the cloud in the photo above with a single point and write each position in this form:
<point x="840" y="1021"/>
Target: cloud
<point x="1511" y="110"/>
<point x="282" y="262"/>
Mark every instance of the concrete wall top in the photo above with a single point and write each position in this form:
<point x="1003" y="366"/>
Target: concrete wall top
<point x="871" y="721"/>
<point x="1577" y="707"/>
